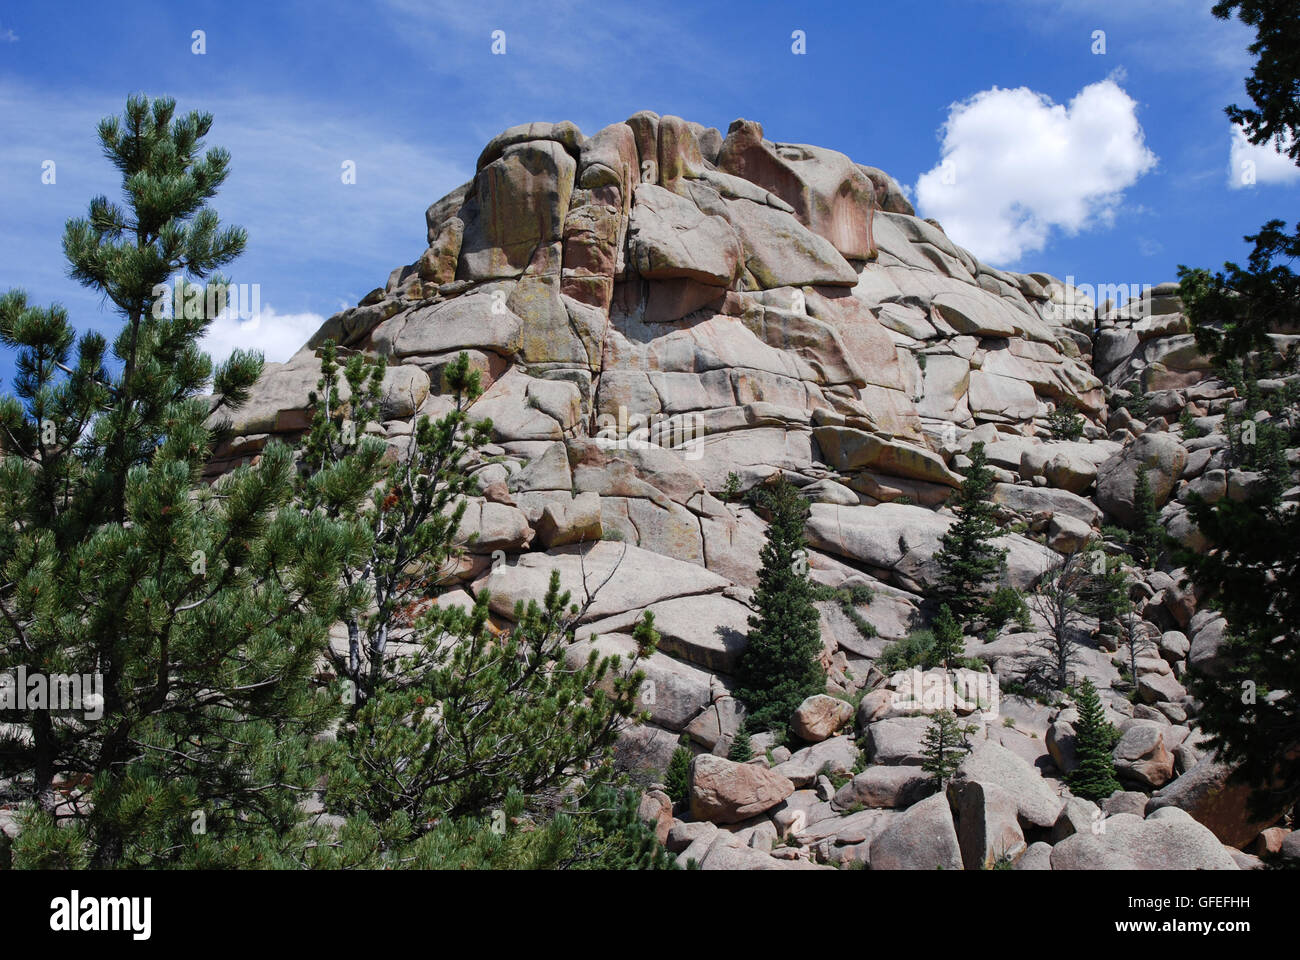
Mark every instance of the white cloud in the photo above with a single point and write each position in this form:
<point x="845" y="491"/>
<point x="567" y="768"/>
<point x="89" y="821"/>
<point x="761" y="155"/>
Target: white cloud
<point x="277" y="335"/>
<point x="1249" y="164"/>
<point x="1016" y="166"/>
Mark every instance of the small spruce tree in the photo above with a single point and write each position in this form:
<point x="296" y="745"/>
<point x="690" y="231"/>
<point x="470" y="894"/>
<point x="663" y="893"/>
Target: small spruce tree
<point x="1148" y="534"/>
<point x="780" y="665"/>
<point x="949" y="643"/>
<point x="944" y="745"/>
<point x="968" y="560"/>
<point x="678" y="777"/>
<point x="741" y="748"/>
<point x="1094" y="776"/>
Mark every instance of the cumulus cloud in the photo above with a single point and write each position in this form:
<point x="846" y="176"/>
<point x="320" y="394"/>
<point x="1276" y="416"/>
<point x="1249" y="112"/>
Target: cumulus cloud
<point x="1017" y="166"/>
<point x="277" y="335"/>
<point x="1249" y="164"/>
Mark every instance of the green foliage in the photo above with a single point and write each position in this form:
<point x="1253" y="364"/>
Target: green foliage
<point x="968" y="560"/>
<point x="678" y="777"/>
<point x="914" y="650"/>
<point x="479" y="714"/>
<point x="1148" y="533"/>
<point x="949" y="644"/>
<point x="741" y="749"/>
<point x="1007" y="604"/>
<point x="1110" y="596"/>
<point x="1191" y="429"/>
<point x="848" y="598"/>
<point x="203" y="610"/>
<point x="1064" y="422"/>
<point x="405" y="515"/>
<point x="1094" y="776"/>
<point x="1133" y="399"/>
<point x="602" y="832"/>
<point x="944" y="746"/>
<point x="1272" y="83"/>
<point x="779" y="667"/>
<point x="731" y="489"/>
<point x="1250" y="709"/>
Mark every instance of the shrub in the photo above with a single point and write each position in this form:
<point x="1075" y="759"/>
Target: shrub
<point x="678" y="778"/>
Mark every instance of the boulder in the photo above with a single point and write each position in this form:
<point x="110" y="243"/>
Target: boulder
<point x="670" y="237"/>
<point x="837" y="755"/>
<point x="922" y="838"/>
<point x="1143" y="757"/>
<point x="725" y="792"/>
<point x="1163" y="458"/>
<point x="619" y="577"/>
<point x="515" y="209"/>
<point x="1162" y="842"/>
<point x="673" y="692"/>
<point x="896" y="741"/>
<point x="1213" y="796"/>
<point x="577" y="521"/>
<point x="820" y="717"/>
<point x="1036" y="802"/>
<point x="1037" y="857"/>
<point x="656" y="812"/>
<point x="987" y="826"/>
<point x="884" y="787"/>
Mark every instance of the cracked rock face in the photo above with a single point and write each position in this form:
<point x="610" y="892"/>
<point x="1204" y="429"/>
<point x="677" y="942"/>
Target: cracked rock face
<point x="659" y="308"/>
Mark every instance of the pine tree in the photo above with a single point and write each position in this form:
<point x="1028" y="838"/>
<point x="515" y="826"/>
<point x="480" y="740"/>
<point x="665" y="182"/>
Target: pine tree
<point x="409" y="511"/>
<point x="1249" y="708"/>
<point x="1109" y="598"/>
<point x="678" y="777"/>
<point x="741" y="749"/>
<point x="1093" y="778"/>
<point x="201" y="610"/>
<point x="780" y="665"/>
<point x="949" y="643"/>
<point x="1064" y="421"/>
<point x="479" y="715"/>
<point x="1272" y="84"/>
<point x="1148" y="533"/>
<point x="600" y="832"/>
<point x="943" y="746"/>
<point x="968" y="560"/>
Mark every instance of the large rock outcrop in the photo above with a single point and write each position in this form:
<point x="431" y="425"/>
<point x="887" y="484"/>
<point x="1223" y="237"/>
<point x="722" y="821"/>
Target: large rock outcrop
<point x="662" y="315"/>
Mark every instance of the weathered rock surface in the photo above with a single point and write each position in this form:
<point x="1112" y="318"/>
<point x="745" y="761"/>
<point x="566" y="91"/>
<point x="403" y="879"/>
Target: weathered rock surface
<point x="727" y="792"/>
<point x="663" y="319"/>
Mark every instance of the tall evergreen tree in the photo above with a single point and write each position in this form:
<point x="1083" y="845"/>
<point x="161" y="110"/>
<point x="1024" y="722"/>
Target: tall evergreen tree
<point x="780" y="666"/>
<point x="1252" y="573"/>
<point x="969" y="562"/>
<point x="1272" y="83"/>
<point x="202" y="611"/>
<point x="1093" y="778"/>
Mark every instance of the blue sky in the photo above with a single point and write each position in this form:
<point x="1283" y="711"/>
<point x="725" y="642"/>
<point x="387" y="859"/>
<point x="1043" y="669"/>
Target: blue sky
<point x="1125" y="177"/>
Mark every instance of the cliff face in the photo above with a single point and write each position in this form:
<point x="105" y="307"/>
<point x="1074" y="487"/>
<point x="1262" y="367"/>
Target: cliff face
<point x="656" y="307"/>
